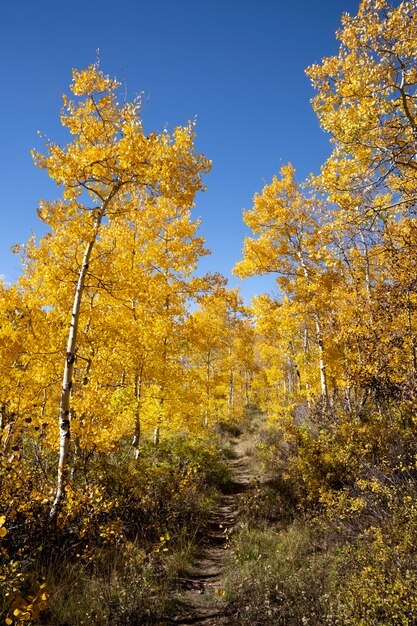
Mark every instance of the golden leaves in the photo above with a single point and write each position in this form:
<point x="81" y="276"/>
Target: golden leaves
<point x="366" y="93"/>
<point x="110" y="148"/>
<point x="92" y="80"/>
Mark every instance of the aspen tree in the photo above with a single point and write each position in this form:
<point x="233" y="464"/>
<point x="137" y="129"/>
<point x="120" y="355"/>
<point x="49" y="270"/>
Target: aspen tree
<point x="286" y="225"/>
<point x="110" y="160"/>
<point x="220" y="345"/>
<point x="366" y="98"/>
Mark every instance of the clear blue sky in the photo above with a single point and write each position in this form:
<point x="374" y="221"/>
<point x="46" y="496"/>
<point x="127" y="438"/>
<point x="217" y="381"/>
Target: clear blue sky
<point x="236" y="64"/>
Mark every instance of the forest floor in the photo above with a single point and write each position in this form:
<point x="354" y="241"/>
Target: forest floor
<point x="201" y="600"/>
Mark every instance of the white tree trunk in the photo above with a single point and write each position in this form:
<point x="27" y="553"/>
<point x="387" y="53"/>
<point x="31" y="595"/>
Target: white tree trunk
<point x="137" y="431"/>
<point x="411" y="334"/>
<point x="319" y="338"/>
<point x="322" y="364"/>
<point x="231" y="398"/>
<point x="64" y="409"/>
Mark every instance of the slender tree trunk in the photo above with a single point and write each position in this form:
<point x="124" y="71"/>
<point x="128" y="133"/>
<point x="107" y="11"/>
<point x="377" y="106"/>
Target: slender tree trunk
<point x="156" y="435"/>
<point x="412" y="337"/>
<point x="290" y="369"/>
<point x="231" y="399"/>
<point x="367" y="267"/>
<point x="137" y="391"/>
<point x="322" y="364"/>
<point x="64" y="409"/>
<point x="306" y="348"/>
<point x="246" y="387"/>
<point x="320" y="343"/>
<point x="157" y="429"/>
<point x="208" y="390"/>
<point x="293" y="362"/>
<point x="7" y="433"/>
<point x="348" y="402"/>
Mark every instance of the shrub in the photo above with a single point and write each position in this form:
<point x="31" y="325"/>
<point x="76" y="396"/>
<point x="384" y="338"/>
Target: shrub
<point x="126" y="532"/>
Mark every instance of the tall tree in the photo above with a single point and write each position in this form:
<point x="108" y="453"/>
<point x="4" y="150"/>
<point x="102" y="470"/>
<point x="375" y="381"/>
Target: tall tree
<point x="111" y="161"/>
<point x="366" y="97"/>
<point x="286" y="223"/>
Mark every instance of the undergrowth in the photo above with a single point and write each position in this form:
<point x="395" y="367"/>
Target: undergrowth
<point x="122" y="542"/>
<point x="330" y="532"/>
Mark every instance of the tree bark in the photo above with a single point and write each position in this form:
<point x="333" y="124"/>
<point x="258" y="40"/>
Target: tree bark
<point x="412" y="336"/>
<point x="67" y="379"/>
<point x="322" y="364"/>
<point x="137" y="392"/>
<point x="320" y="343"/>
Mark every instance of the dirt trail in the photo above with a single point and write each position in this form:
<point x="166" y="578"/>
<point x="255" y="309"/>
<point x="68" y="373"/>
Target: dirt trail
<point x="201" y="599"/>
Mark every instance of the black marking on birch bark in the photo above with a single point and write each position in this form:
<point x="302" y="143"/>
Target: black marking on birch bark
<point x="70" y="358"/>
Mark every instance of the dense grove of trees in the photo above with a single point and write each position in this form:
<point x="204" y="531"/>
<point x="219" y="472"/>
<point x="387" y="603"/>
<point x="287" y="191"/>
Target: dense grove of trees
<point x="338" y="347"/>
<point x="99" y="330"/>
<point x="110" y="346"/>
